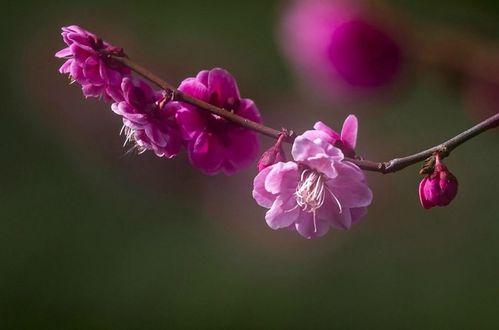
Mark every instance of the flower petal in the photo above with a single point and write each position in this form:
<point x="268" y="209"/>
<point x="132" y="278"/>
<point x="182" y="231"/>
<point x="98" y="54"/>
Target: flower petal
<point x="192" y="87"/>
<point x="248" y="110"/>
<point x="283" y="178"/>
<point x="242" y="150"/>
<point x="358" y="213"/>
<point x="422" y="196"/>
<point x="283" y="212"/>
<point x="190" y="122"/>
<point x="349" y="131"/>
<point x="260" y="194"/>
<point x="66" y="52"/>
<point x="223" y="84"/>
<point x="305" y="226"/>
<point x="206" y="153"/>
<point x="304" y="148"/>
<point x="65" y="68"/>
<point x="349" y="186"/>
<point x="320" y="126"/>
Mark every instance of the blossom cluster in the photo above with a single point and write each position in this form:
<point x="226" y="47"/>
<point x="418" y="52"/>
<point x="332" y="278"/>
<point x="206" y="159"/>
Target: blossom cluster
<point x="151" y="120"/>
<point x="318" y="189"/>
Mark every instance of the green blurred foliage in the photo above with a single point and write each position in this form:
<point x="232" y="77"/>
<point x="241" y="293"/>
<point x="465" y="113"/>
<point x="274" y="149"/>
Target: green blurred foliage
<point x="88" y="241"/>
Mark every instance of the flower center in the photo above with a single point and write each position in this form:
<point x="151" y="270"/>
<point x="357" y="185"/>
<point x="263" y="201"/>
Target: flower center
<point x="129" y="134"/>
<point x="311" y="191"/>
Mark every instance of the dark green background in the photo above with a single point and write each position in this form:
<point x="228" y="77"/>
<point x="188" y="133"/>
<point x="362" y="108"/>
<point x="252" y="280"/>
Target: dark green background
<point x="91" y="238"/>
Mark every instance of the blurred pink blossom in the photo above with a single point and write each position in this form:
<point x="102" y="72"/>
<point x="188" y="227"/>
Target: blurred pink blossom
<point x="337" y="49"/>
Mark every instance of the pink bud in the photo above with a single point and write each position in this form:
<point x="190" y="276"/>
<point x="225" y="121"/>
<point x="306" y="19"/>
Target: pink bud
<point x="273" y="155"/>
<point x="438" y="188"/>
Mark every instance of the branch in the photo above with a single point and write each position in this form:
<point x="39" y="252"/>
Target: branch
<point x="443" y="149"/>
<point x="390" y="166"/>
<point x="177" y="95"/>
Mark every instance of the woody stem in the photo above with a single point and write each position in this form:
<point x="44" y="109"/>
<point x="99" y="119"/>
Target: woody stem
<point x="390" y="166"/>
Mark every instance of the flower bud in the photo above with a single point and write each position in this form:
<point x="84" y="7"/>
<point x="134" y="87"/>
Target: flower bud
<point x="438" y="188"/>
<point x="273" y="155"/>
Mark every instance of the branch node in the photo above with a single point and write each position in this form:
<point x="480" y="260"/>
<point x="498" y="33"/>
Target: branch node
<point x="443" y="151"/>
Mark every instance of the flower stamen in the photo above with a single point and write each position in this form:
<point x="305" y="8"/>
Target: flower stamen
<point x="311" y="192"/>
<point x="335" y="199"/>
<point x="129" y="134"/>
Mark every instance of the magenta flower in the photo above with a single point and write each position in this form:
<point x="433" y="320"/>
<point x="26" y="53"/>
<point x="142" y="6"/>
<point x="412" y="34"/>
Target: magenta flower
<point x="438" y="188"/>
<point x="147" y="122"/>
<point x="316" y="191"/>
<point x="213" y="143"/>
<point x="337" y="48"/>
<point x="87" y="63"/>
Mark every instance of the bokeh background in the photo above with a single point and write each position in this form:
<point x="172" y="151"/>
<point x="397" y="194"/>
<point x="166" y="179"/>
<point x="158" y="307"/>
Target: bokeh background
<point x="94" y="238"/>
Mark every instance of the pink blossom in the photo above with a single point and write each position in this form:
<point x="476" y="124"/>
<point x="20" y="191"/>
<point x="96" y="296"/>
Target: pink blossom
<point x="213" y="143"/>
<point x="87" y="63"/>
<point x="316" y="191"/>
<point x="346" y="140"/>
<point x="147" y="122"/>
<point x="438" y="188"/>
<point x="337" y="48"/>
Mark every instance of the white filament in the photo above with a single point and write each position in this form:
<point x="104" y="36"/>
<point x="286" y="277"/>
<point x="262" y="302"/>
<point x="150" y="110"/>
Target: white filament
<point x="130" y="138"/>
<point x="310" y="193"/>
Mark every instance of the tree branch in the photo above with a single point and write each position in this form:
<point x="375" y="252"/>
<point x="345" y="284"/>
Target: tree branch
<point x="390" y="166"/>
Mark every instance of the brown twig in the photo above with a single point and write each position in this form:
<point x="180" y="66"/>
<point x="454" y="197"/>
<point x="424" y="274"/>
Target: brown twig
<point x="390" y="166"/>
<point x="179" y="96"/>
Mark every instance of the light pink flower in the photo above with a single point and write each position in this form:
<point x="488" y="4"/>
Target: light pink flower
<point x="316" y="191"/>
<point x="87" y="63"/>
<point x="213" y="143"/>
<point x="147" y="122"/>
<point x="438" y="188"/>
<point x="346" y="140"/>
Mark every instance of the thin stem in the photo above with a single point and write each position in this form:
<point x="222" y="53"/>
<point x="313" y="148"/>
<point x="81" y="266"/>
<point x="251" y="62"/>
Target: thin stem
<point x="179" y="96"/>
<point x="390" y="166"/>
<point x="444" y="148"/>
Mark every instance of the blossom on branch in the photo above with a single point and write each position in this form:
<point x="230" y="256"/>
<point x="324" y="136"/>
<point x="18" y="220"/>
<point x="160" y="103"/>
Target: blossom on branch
<point x="88" y="63"/>
<point x="346" y="140"/>
<point x="148" y="122"/>
<point x="439" y="187"/>
<point x="215" y="144"/>
<point x="315" y="191"/>
<point x="273" y="155"/>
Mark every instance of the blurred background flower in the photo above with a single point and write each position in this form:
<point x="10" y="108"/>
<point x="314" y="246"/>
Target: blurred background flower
<point x="92" y="237"/>
<point x="338" y="49"/>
